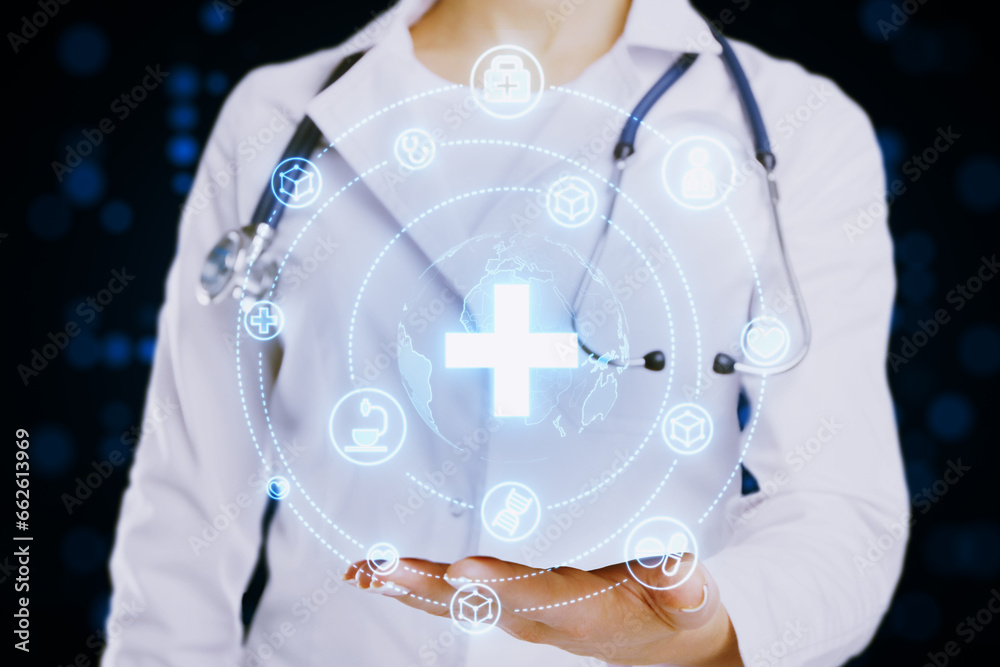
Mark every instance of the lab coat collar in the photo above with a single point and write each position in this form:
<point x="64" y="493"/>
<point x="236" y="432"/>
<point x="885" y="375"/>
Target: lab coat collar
<point x="667" y="25"/>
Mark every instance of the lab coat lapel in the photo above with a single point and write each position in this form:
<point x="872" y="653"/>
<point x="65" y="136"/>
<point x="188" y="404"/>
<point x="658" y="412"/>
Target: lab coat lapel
<point x="352" y="113"/>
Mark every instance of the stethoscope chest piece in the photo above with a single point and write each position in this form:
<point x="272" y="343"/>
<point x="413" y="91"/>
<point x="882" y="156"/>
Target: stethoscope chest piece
<point x="231" y="268"/>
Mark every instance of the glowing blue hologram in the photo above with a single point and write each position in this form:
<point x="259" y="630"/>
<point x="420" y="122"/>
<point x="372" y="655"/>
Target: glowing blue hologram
<point x="383" y="558"/>
<point x="699" y="182"/>
<point x="296" y="182"/>
<point x="511" y="511"/>
<point x="264" y="320"/>
<point x="765" y="341"/>
<point x="506" y="81"/>
<point x="475" y="608"/>
<point x="698" y="172"/>
<point x="687" y="428"/>
<point x="367" y="426"/>
<point x="278" y="487"/>
<point x="365" y="439"/>
<point x="657" y="545"/>
<point x="415" y="148"/>
<point x="571" y="201"/>
<point x="511" y="351"/>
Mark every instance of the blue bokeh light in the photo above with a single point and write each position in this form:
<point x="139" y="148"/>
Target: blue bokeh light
<point x="49" y="217"/>
<point x="82" y="49"/>
<point x="184" y="82"/>
<point x="873" y="16"/>
<point x="892" y="143"/>
<point x="951" y="416"/>
<point x="85" y="185"/>
<point x="916" y="248"/>
<point x="215" y="18"/>
<point x="216" y="83"/>
<point x="979" y="350"/>
<point x="117" y="350"/>
<point x="53" y="449"/>
<point x="100" y="609"/>
<point x="915" y="616"/>
<point x="916" y="284"/>
<point x="116" y="216"/>
<point x="963" y="549"/>
<point x="84" y="351"/>
<point x="182" y="150"/>
<point x="181" y="182"/>
<point x="183" y="116"/>
<point x="977" y="183"/>
<point x="918" y="475"/>
<point x="83" y="549"/>
<point x="145" y="349"/>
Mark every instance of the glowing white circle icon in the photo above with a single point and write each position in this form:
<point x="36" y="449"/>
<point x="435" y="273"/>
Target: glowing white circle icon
<point x="383" y="558"/>
<point x="765" y="341"/>
<point x="367" y="427"/>
<point x="475" y="608"/>
<point x="698" y="172"/>
<point x="654" y="551"/>
<point x="415" y="149"/>
<point x="296" y="182"/>
<point x="264" y="320"/>
<point x="687" y="428"/>
<point x="503" y="81"/>
<point x="511" y="511"/>
<point x="571" y="201"/>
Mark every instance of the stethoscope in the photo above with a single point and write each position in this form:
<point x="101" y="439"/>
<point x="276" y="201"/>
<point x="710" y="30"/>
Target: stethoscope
<point x="239" y="252"/>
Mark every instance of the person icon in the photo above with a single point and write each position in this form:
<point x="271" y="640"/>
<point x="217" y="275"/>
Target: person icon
<point x="699" y="182"/>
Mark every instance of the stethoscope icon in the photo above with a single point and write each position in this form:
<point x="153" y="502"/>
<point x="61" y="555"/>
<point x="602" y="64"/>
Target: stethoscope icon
<point x="415" y="148"/>
<point x="410" y="145"/>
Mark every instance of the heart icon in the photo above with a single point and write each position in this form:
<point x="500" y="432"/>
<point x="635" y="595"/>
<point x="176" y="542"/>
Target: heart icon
<point x="766" y="341"/>
<point x="382" y="559"/>
<point x="278" y="488"/>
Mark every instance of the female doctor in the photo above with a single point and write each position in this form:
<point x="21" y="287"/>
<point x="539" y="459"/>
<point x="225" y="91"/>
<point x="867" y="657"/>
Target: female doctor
<point x="783" y="576"/>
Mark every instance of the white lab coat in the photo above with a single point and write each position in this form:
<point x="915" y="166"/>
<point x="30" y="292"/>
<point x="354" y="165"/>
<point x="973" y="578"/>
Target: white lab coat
<point x="793" y="563"/>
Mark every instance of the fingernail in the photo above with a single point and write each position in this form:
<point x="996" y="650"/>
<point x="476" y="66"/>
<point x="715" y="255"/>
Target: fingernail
<point x="704" y="599"/>
<point x="457" y="581"/>
<point x="351" y="581"/>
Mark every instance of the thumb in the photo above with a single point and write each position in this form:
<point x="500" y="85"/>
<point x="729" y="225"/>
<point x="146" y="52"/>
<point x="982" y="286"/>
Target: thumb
<point x="683" y="593"/>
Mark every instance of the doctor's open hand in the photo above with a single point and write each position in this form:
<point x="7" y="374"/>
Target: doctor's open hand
<point x="602" y="613"/>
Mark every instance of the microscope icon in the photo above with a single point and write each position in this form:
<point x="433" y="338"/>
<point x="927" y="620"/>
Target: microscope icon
<point x="365" y="439"/>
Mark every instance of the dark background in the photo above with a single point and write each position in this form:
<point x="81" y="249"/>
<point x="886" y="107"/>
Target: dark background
<point x="119" y="208"/>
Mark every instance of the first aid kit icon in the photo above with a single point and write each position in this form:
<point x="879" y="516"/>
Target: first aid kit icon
<point x="507" y="80"/>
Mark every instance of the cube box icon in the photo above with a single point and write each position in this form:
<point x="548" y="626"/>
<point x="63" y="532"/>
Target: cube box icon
<point x="687" y="428"/>
<point x="571" y="201"/>
<point x="475" y="608"/>
<point x="296" y="182"/>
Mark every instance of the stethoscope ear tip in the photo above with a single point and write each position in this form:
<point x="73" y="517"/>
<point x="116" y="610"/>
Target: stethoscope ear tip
<point x="723" y="364"/>
<point x="655" y="361"/>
